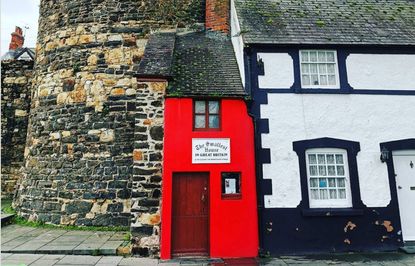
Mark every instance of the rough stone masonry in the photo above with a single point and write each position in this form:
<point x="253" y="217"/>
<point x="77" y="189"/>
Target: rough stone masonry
<point x="94" y="146"/>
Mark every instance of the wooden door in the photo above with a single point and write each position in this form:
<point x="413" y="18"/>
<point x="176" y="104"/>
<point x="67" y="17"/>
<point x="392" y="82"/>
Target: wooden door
<point x="190" y="217"/>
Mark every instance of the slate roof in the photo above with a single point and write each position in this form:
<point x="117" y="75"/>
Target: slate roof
<point x="205" y="65"/>
<point x="366" y="22"/>
<point x="158" y="55"/>
<point x="20" y="54"/>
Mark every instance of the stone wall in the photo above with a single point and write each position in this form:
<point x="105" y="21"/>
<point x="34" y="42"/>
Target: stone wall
<point x="15" y="101"/>
<point x="95" y="135"/>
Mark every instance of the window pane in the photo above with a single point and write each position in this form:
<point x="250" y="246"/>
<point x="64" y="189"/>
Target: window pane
<point x="305" y="68"/>
<point x="314" y="80"/>
<point x="313" y="69"/>
<point x="306" y="80"/>
<point x="342" y="193"/>
<point x="200" y="107"/>
<point x="339" y="158"/>
<point x="341" y="182"/>
<point x="331" y="170"/>
<point x="322" y="56"/>
<point x="332" y="80"/>
<point x="323" y="79"/>
<point x="322" y="69"/>
<point x="323" y="194"/>
<point x="322" y="170"/>
<point x="330" y="69"/>
<point x="333" y="194"/>
<point x="322" y="182"/>
<point x="330" y="158"/>
<point x="330" y="56"/>
<point x="312" y="159"/>
<point x="314" y="194"/>
<point x="213" y="107"/>
<point x="200" y="121"/>
<point x="313" y="56"/>
<point x="304" y="56"/>
<point x="321" y="159"/>
<point x="340" y="170"/>
<point x="213" y="121"/>
<point x="313" y="182"/>
<point x="332" y="182"/>
<point x="313" y="170"/>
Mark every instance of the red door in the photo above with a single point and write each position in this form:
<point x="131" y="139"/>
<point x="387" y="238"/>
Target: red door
<point x="190" y="219"/>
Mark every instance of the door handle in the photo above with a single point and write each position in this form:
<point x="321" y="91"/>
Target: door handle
<point x="399" y="187"/>
<point x="203" y="197"/>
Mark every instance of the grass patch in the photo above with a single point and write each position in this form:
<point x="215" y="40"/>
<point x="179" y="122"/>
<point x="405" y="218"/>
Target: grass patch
<point x="6" y="206"/>
<point x="21" y="221"/>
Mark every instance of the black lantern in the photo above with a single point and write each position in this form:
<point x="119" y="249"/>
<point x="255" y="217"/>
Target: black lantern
<point x="384" y="154"/>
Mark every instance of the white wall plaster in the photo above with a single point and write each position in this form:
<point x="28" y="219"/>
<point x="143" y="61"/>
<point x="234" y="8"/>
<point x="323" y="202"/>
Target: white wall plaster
<point x="237" y="42"/>
<point x="368" y="119"/>
<point x="279" y="71"/>
<point x="381" y="71"/>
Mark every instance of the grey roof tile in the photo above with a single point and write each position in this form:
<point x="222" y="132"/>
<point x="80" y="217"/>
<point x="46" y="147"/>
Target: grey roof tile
<point x="366" y="22"/>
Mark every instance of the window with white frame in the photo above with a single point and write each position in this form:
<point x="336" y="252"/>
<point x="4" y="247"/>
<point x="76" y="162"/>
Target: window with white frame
<point x="328" y="178"/>
<point x="319" y="69"/>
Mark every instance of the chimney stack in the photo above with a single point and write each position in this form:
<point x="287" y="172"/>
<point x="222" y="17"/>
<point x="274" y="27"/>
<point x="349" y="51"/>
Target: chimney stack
<point x="217" y="15"/>
<point x="17" y="39"/>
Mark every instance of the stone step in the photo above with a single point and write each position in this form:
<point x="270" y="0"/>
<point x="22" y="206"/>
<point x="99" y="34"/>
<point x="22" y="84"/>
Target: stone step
<point x="6" y="218"/>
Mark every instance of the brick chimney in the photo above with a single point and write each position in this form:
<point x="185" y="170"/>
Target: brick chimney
<point x="17" y="39"/>
<point x="217" y="15"/>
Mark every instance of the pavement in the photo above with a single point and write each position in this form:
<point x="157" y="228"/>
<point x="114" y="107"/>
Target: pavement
<point x="22" y="245"/>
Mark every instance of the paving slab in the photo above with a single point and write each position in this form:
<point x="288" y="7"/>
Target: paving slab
<point x="19" y="259"/>
<point x="138" y="262"/>
<point x="109" y="260"/>
<point x="79" y="260"/>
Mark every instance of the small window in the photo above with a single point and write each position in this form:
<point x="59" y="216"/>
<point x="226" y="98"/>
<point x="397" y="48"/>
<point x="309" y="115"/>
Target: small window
<point x="206" y="115"/>
<point x="328" y="178"/>
<point x="231" y="185"/>
<point x="319" y="69"/>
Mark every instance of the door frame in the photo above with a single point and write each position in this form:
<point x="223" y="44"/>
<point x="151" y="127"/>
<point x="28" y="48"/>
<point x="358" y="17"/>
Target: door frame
<point x="397" y="145"/>
<point x="207" y="173"/>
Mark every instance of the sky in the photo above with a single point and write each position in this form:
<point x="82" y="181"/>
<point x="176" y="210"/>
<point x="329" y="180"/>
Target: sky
<point x="23" y="13"/>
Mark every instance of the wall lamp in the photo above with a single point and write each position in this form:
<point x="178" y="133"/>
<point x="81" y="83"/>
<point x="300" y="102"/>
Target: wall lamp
<point x="384" y="155"/>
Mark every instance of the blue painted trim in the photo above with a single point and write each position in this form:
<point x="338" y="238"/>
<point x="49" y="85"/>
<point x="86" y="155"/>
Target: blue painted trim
<point x="342" y="53"/>
<point x="332" y="212"/>
<point x="352" y="149"/>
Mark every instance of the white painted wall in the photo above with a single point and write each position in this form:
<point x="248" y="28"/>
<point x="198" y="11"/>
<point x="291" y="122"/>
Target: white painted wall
<point x="237" y="42"/>
<point x="368" y="119"/>
<point x="381" y="71"/>
<point x="279" y="71"/>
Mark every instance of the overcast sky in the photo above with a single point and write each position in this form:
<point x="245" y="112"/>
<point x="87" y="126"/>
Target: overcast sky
<point x="23" y="13"/>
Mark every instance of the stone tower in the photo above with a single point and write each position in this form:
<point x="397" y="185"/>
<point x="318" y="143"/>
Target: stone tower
<point x="94" y="146"/>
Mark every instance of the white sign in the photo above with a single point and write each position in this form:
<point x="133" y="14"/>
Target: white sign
<point x="211" y="151"/>
<point x="230" y="186"/>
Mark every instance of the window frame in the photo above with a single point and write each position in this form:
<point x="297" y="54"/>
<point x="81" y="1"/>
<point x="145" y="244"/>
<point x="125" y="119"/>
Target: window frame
<point x="219" y="114"/>
<point x="330" y="203"/>
<point x="336" y="70"/>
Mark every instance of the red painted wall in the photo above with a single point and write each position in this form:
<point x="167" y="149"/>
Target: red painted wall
<point x="233" y="223"/>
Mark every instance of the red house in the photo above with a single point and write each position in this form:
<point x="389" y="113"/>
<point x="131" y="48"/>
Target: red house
<point x="209" y="191"/>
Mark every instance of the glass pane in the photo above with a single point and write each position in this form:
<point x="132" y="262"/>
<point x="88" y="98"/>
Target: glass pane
<point x="314" y="194"/>
<point x="313" y="69"/>
<point x="200" y="121"/>
<point x="313" y="182"/>
<point x="341" y="182"/>
<point x="213" y="121"/>
<point x="330" y="158"/>
<point x="331" y="170"/>
<point x="313" y="170"/>
<point x="332" y="80"/>
<point x="304" y="56"/>
<point x="342" y="193"/>
<point x="313" y="56"/>
<point x="323" y="79"/>
<point x="305" y="68"/>
<point x="333" y="194"/>
<point x="322" y="170"/>
<point x="322" y="182"/>
<point x="339" y="158"/>
<point x="340" y="170"/>
<point x="332" y="182"/>
<point x="323" y="194"/>
<point x="314" y="80"/>
<point x="200" y="107"/>
<point x="306" y="80"/>
<point x="321" y="159"/>
<point x="322" y="56"/>
<point x="322" y="69"/>
<point x="312" y="159"/>
<point x="213" y="107"/>
<point x="330" y="68"/>
<point x="330" y="56"/>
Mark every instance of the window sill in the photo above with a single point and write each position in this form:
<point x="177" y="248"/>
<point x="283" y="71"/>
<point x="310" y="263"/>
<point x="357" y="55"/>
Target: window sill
<point x="235" y="196"/>
<point x="332" y="212"/>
